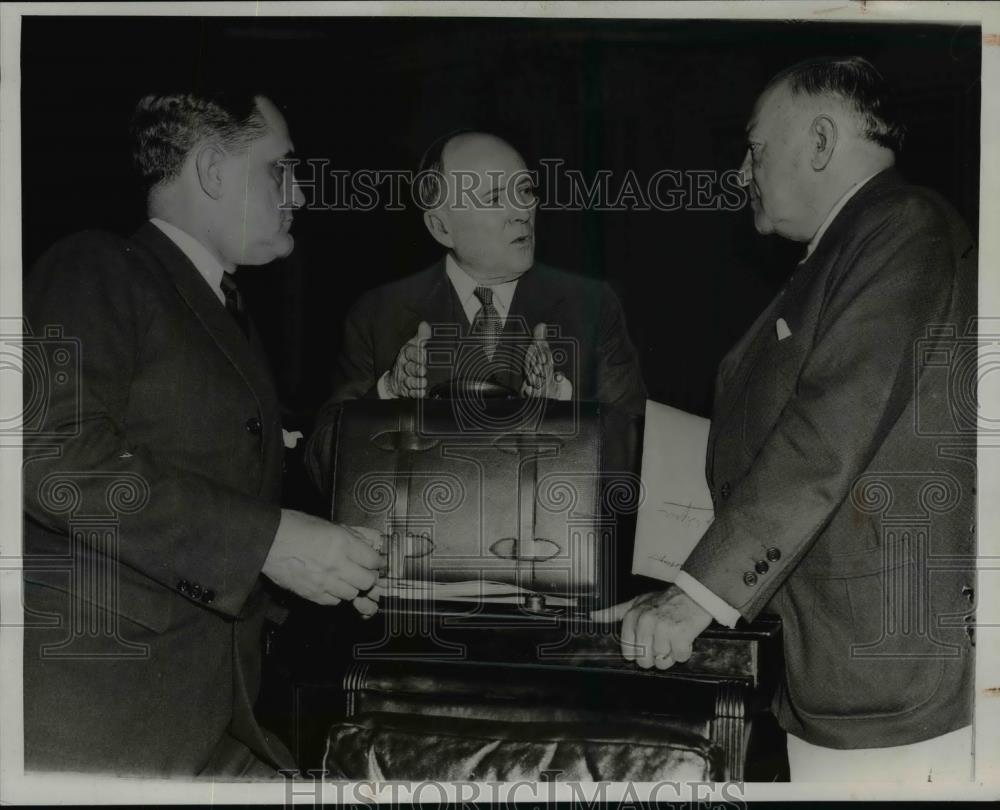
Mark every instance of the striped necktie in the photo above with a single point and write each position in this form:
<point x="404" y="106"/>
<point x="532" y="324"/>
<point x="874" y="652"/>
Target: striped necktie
<point x="234" y="302"/>
<point x="486" y="324"/>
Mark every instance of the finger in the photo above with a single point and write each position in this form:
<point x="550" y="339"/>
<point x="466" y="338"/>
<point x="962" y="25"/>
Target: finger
<point x="323" y="598"/>
<point x="663" y="661"/>
<point x="663" y="641"/>
<point x="355" y="575"/>
<point x="373" y="537"/>
<point x="628" y="634"/>
<point x="614" y="613"/>
<point x="365" y="606"/>
<point x="340" y="589"/>
<point x="645" y="630"/>
<point x="423" y="331"/>
<point x="361" y="553"/>
<point x="680" y="647"/>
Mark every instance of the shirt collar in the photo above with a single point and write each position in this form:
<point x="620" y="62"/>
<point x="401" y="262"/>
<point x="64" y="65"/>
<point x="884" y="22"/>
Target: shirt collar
<point x="833" y="215"/>
<point x="204" y="262"/>
<point x="465" y="286"/>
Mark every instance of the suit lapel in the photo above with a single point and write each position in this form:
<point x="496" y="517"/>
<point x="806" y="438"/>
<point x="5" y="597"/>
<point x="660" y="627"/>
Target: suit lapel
<point x="739" y="361"/>
<point x="436" y="301"/>
<point x="247" y="358"/>
<point x="536" y="300"/>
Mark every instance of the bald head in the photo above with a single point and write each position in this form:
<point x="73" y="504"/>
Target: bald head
<point x="483" y="207"/>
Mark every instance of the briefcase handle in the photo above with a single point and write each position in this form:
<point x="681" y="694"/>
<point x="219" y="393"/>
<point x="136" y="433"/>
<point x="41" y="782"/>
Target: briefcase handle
<point x="457" y="388"/>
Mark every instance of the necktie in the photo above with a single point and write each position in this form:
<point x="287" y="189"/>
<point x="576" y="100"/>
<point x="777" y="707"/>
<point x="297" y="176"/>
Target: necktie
<point x="487" y="321"/>
<point x="234" y="303"/>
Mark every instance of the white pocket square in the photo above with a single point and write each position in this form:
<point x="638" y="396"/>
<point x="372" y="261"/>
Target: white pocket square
<point x="782" y="329"/>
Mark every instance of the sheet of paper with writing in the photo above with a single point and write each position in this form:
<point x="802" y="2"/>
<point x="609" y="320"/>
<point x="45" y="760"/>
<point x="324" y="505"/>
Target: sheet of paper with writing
<point x="677" y="508"/>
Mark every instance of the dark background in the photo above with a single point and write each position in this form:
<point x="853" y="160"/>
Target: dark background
<point x="371" y="93"/>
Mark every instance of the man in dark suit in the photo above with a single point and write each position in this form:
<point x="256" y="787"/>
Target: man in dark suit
<point x="533" y="330"/>
<point x="151" y="487"/>
<point x="842" y="475"/>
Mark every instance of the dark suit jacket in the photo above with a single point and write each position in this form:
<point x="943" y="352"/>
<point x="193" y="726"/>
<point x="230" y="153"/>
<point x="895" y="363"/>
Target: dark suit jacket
<point x="844" y="477"/>
<point x="151" y="490"/>
<point x="599" y="358"/>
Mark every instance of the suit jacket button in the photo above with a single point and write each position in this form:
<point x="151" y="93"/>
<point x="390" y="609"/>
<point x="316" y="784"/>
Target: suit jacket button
<point x="196" y="591"/>
<point x="750" y="579"/>
<point x="183" y="585"/>
<point x="208" y="596"/>
<point x="725" y="490"/>
<point x="762" y="567"/>
<point x="773" y="554"/>
<point x="253" y="425"/>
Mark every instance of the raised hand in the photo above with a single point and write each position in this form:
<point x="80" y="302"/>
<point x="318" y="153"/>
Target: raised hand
<point x="408" y="378"/>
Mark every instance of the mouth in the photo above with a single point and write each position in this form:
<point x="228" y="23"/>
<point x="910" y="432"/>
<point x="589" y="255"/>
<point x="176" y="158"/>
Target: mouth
<point x="524" y="240"/>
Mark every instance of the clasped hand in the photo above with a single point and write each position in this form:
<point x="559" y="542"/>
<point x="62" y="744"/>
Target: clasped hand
<point x="325" y="562"/>
<point x="659" y="628"/>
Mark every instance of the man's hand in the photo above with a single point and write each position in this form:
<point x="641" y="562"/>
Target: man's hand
<point x="658" y="628"/>
<point x="408" y="377"/>
<point x="540" y="377"/>
<point x="325" y="562"/>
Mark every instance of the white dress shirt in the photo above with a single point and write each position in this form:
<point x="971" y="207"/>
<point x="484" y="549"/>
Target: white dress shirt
<point x="204" y="262"/>
<point x="465" y="288"/>
<point x="722" y="611"/>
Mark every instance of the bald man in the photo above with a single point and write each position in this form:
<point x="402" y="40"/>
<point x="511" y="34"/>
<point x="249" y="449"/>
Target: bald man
<point x="844" y="489"/>
<point x="479" y="205"/>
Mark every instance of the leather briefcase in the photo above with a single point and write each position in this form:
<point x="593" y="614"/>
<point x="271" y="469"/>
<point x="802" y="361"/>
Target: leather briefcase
<point x="508" y="501"/>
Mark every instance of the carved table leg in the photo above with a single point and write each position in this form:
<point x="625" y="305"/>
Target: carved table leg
<point x="729" y="728"/>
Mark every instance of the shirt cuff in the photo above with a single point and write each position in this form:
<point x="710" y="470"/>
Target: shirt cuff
<point x="724" y="613"/>
<point x="383" y="387"/>
<point x="565" y="391"/>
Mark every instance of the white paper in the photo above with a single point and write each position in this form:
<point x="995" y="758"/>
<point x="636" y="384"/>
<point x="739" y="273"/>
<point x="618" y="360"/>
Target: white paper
<point x="677" y="508"/>
<point x="475" y="590"/>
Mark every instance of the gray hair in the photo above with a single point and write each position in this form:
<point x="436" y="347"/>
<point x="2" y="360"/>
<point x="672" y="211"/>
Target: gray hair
<point x="853" y="80"/>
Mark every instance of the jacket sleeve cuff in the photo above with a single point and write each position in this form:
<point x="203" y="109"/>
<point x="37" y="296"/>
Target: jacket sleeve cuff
<point x="724" y="613"/>
<point x="383" y="387"/>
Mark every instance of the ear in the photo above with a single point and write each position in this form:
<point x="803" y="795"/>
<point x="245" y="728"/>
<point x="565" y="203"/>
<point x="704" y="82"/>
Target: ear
<point x="822" y="140"/>
<point x="438" y="228"/>
<point x="208" y="162"/>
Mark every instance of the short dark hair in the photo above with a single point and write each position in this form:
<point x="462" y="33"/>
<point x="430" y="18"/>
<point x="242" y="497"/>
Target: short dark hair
<point x="855" y="81"/>
<point x="166" y="127"/>
<point x="430" y="172"/>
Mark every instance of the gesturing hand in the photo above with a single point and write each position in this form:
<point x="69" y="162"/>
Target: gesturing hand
<point x="325" y="562"/>
<point x="540" y="377"/>
<point x="659" y="628"/>
<point x="408" y="377"/>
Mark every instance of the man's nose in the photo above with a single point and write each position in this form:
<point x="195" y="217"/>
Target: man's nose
<point x="746" y="170"/>
<point x="521" y="209"/>
<point x="298" y="198"/>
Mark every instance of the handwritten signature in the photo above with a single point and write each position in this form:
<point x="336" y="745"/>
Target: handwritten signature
<point x="687" y="513"/>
